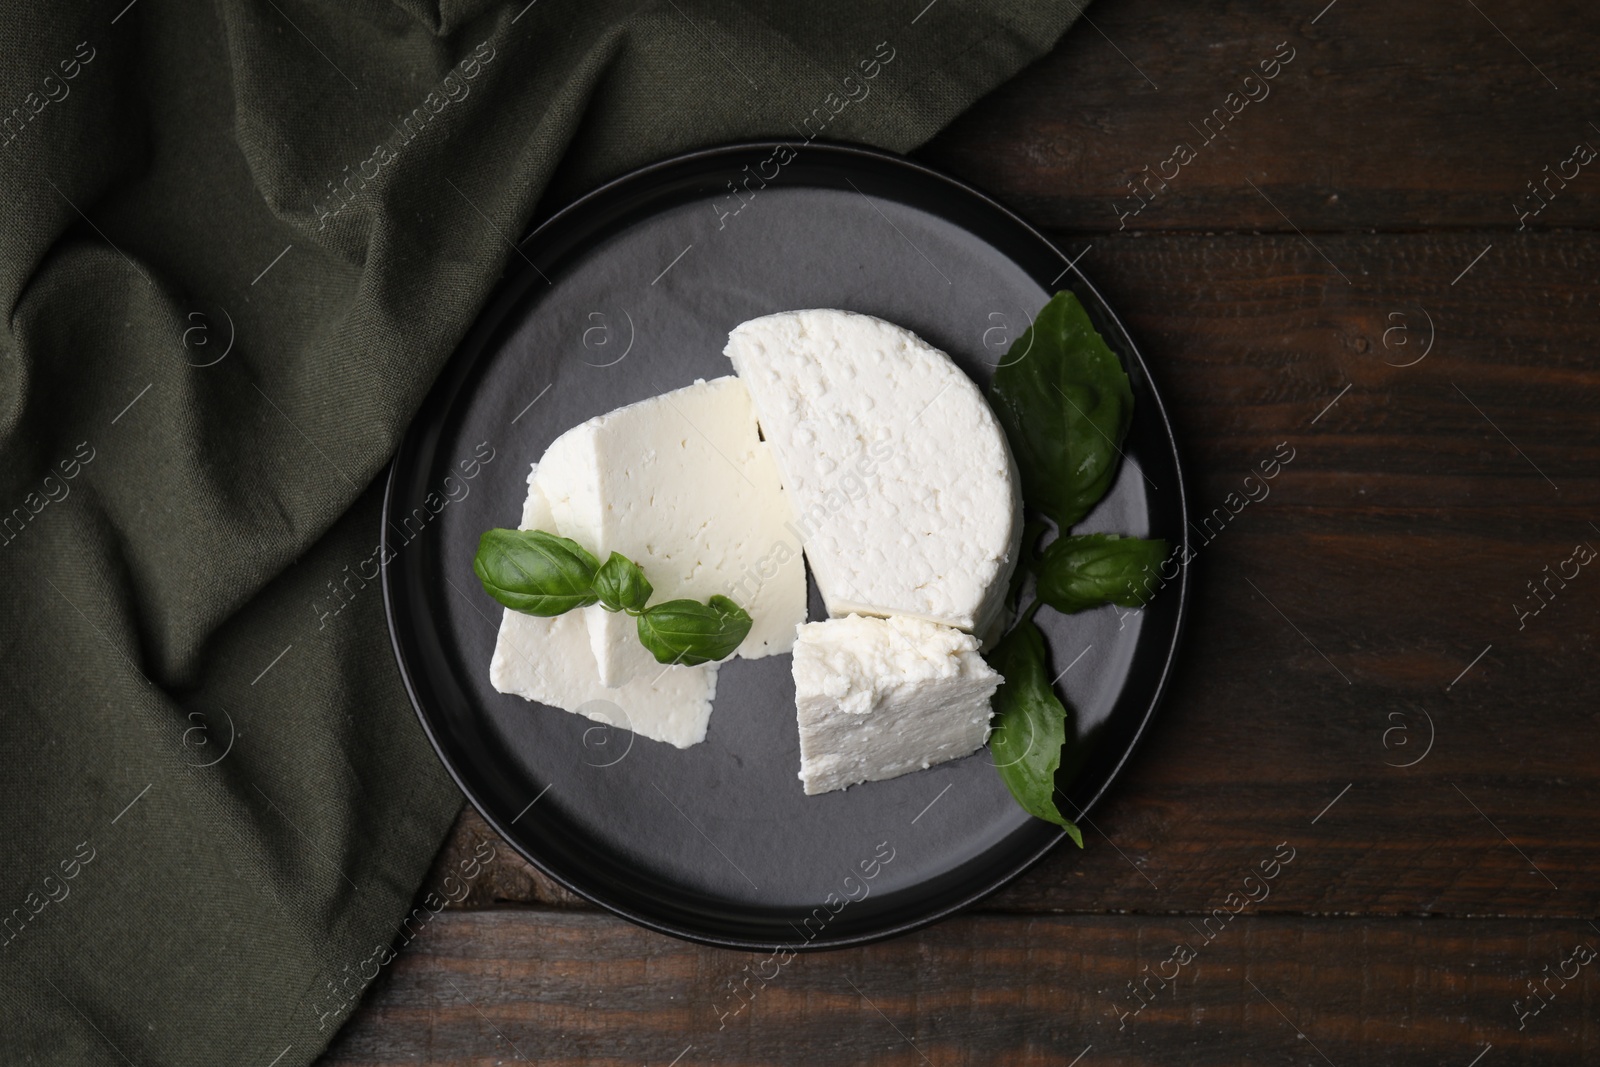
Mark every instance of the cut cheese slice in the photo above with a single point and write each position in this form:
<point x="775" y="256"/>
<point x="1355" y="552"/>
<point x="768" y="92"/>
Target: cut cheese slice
<point x="683" y="485"/>
<point x="877" y="698"/>
<point x="549" y="660"/>
<point x="905" y="491"/>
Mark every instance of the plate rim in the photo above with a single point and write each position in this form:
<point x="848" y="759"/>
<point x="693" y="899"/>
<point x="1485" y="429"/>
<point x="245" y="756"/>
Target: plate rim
<point x="875" y="156"/>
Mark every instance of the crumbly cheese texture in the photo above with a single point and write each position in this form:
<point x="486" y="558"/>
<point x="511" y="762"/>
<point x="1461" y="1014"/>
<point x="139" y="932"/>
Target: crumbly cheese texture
<point x="550" y="660"/>
<point x="683" y="485"/>
<point x="879" y="697"/>
<point x="904" y="489"/>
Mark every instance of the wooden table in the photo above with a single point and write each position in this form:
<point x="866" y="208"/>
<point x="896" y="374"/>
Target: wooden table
<point x="1370" y="680"/>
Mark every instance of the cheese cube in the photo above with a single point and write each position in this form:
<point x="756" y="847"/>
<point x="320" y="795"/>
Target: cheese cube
<point x="905" y="492"/>
<point x="550" y="660"/>
<point x="879" y="697"/>
<point x="683" y="485"/>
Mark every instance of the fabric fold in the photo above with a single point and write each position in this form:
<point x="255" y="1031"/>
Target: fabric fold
<point x="243" y="241"/>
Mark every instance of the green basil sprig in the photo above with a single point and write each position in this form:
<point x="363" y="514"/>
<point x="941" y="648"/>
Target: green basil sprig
<point x="688" y="632"/>
<point x="620" y="583"/>
<point x="1030" y="725"/>
<point x="1066" y="404"/>
<point x="539" y="573"/>
<point x="534" y="572"/>
<point x="1085" y="571"/>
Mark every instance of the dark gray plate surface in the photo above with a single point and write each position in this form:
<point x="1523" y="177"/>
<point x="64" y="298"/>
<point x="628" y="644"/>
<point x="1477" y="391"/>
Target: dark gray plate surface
<point x="629" y="293"/>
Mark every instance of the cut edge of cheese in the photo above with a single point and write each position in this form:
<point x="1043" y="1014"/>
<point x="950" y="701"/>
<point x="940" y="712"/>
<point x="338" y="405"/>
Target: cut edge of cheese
<point x="879" y="697"/>
<point x="547" y="660"/>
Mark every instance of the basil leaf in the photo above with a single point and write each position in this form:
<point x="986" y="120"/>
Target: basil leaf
<point x="621" y="585"/>
<point x="1065" y="404"/>
<point x="534" y="572"/>
<point x="1089" y="570"/>
<point x="1030" y="725"/>
<point x="688" y="632"/>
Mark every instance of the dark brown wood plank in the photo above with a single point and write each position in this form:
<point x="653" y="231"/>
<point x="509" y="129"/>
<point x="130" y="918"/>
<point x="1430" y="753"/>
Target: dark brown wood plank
<point x="501" y="986"/>
<point x="1389" y="116"/>
<point x="1397" y="541"/>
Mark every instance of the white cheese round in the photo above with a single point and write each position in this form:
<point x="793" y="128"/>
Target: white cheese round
<point x="905" y="493"/>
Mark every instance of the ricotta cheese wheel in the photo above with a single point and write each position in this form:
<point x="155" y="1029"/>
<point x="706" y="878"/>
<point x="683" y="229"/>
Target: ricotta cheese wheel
<point x="905" y="493"/>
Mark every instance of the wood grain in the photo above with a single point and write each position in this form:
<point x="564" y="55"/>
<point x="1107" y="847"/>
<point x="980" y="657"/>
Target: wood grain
<point x="492" y="987"/>
<point x="1390" y="116"/>
<point x="503" y="877"/>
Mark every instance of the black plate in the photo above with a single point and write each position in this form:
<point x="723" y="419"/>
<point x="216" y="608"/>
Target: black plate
<point x="628" y="293"/>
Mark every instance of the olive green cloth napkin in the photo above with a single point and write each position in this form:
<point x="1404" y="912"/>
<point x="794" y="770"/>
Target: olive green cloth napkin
<point x="240" y="240"/>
